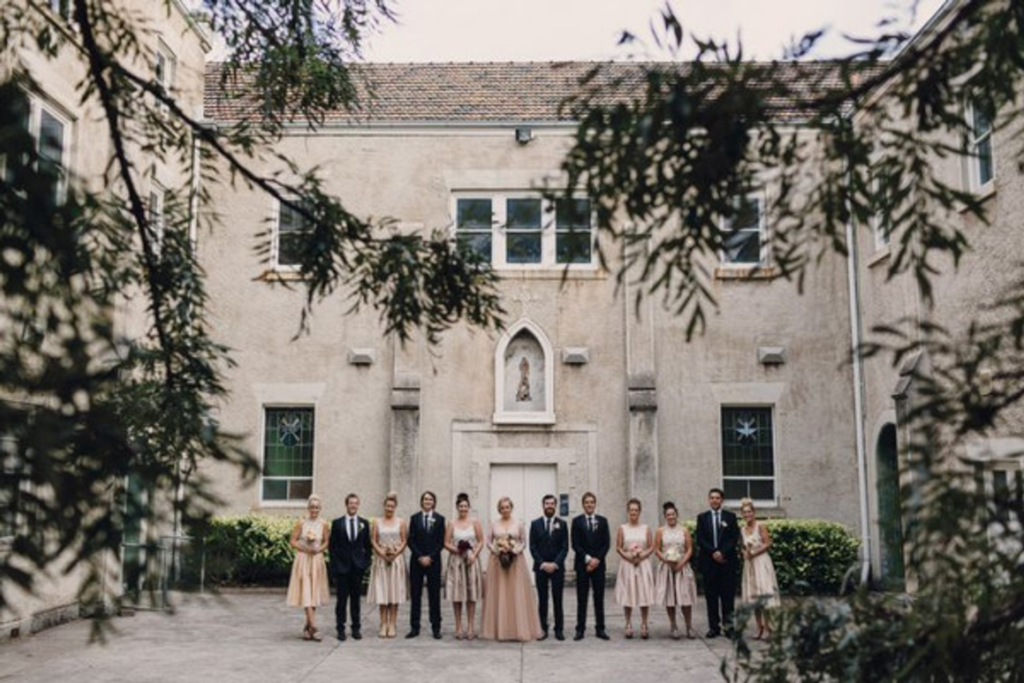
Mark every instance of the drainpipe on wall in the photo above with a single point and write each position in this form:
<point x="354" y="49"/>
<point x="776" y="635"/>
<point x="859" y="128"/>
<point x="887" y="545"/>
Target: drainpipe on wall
<point x="858" y="383"/>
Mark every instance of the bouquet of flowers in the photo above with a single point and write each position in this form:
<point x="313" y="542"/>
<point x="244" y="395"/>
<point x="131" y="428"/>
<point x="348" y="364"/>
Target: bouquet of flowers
<point x="506" y="556"/>
<point x="390" y="553"/>
<point x="635" y="550"/>
<point x="673" y="554"/>
<point x="311" y="539"/>
<point x="465" y="548"/>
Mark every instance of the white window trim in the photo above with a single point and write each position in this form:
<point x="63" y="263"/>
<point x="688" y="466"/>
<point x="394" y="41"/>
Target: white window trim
<point x="972" y="162"/>
<point x="764" y="236"/>
<point x="169" y="82"/>
<point x="288" y="502"/>
<point x="275" y="243"/>
<point x="158" y="215"/>
<point x="548" y="231"/>
<point x="36" y="105"/>
<point x="760" y="502"/>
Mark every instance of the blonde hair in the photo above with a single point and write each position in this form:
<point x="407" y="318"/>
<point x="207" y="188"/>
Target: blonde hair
<point x="391" y="496"/>
<point x="313" y="497"/>
<point x="747" y="503"/>
<point x="504" y="499"/>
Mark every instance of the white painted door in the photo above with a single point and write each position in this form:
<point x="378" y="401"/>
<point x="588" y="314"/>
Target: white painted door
<point x="526" y="485"/>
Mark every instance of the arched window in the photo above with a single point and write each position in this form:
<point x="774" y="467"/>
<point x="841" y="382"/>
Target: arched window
<point x="524" y="387"/>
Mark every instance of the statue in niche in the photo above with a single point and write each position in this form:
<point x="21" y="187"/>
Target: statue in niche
<point x="523" y="392"/>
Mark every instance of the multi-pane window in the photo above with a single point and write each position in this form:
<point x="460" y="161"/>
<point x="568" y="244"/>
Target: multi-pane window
<point x="292" y="230"/>
<point x="981" y="168"/>
<point x="60" y="7"/>
<point x="49" y="131"/>
<point x="523" y="230"/>
<point x="743" y="233"/>
<point x="287" y="454"/>
<point x="164" y="72"/>
<point x="748" y="453"/>
<point x="473" y="225"/>
<point x="10" y="488"/>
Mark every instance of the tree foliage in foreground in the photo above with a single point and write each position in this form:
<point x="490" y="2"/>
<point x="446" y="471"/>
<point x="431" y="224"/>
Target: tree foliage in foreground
<point x="87" y="402"/>
<point x="868" y="137"/>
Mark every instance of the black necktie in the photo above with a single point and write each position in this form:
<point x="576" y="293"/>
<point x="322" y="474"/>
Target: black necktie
<point x="714" y="525"/>
<point x="351" y="529"/>
<point x="548" y="525"/>
<point x="593" y="524"/>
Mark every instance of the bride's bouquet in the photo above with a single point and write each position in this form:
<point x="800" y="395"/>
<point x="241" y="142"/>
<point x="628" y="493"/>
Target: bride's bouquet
<point x="506" y="555"/>
<point x="673" y="554"/>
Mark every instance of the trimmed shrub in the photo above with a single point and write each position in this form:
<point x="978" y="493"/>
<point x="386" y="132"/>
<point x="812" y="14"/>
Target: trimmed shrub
<point x="811" y="556"/>
<point x="249" y="550"/>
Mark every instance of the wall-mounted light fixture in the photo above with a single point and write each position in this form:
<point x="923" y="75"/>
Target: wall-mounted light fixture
<point x="524" y="135"/>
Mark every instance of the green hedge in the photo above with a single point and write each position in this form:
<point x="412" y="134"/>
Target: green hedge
<point x="810" y="556"/>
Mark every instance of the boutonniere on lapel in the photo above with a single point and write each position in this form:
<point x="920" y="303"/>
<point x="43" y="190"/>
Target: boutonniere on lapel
<point x="556" y="525"/>
<point x="724" y="524"/>
<point x="362" y="526"/>
<point x="430" y="522"/>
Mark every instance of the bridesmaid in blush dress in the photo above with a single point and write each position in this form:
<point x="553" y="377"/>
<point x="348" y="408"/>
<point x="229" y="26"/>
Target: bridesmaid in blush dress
<point x="675" y="585"/>
<point x="464" y="541"/>
<point x="389" y="578"/>
<point x="634" y="585"/>
<point x="759" y="582"/>
<point x="510" y="607"/>
<point x="307" y="587"/>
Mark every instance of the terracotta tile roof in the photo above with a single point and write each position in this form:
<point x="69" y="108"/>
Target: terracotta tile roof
<point x="482" y="92"/>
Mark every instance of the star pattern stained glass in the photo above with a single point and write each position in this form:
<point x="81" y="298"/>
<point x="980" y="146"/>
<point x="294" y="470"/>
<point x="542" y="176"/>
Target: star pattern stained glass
<point x="748" y="453"/>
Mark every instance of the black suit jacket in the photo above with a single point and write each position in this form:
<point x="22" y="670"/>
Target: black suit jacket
<point x="586" y="542"/>
<point x="426" y="543"/>
<point x="347" y="556"/>
<point x="553" y="547"/>
<point x="728" y="539"/>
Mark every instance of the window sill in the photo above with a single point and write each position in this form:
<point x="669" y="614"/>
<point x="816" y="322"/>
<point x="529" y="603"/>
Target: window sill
<point x="552" y="273"/>
<point x="881" y="255"/>
<point x="274" y="275"/>
<point x="281" y="504"/>
<point x="982" y="194"/>
<point x="751" y="272"/>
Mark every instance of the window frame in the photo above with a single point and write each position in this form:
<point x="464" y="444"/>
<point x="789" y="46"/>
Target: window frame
<point x="285" y="502"/>
<point x="157" y="215"/>
<point x="770" y="407"/>
<point x="549" y="229"/>
<point x="168" y="81"/>
<point x="275" y="243"/>
<point x="761" y="201"/>
<point x="37" y="105"/>
<point x="972" y="159"/>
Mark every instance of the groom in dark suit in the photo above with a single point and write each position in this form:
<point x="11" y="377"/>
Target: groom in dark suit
<point x="718" y="535"/>
<point x="426" y="540"/>
<point x="590" y="543"/>
<point x="549" y="545"/>
<point x="350" y="558"/>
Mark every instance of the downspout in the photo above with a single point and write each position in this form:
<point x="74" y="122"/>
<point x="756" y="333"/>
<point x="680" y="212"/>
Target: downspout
<point x="853" y="282"/>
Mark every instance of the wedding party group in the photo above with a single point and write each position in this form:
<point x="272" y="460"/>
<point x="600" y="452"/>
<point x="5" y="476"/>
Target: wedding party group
<point x="511" y="609"/>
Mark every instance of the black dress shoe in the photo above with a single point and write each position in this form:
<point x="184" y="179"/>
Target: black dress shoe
<point x="602" y="634"/>
<point x="559" y="635"/>
<point x="357" y="635"/>
<point x="413" y="633"/>
<point x="578" y="636"/>
<point x="713" y="633"/>
<point x="543" y="635"/>
<point x="341" y="636"/>
<point x="437" y="634"/>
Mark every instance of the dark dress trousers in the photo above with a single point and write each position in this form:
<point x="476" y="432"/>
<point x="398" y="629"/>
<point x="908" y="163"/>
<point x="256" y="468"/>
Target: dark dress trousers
<point x="595" y="543"/>
<point x="549" y="547"/>
<point x="425" y="542"/>
<point x="719" y="579"/>
<point x="349" y="561"/>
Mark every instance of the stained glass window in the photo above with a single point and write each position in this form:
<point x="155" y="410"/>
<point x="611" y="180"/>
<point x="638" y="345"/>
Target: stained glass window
<point x="748" y="453"/>
<point x="288" y="454"/>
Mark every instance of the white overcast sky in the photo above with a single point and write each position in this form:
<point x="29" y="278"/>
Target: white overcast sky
<point x="541" y="30"/>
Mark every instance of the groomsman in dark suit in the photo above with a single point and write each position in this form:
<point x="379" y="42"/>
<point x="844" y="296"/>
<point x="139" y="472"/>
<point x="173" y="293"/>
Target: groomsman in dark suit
<point x="718" y="535"/>
<point x="350" y="558"/>
<point x="426" y="539"/>
<point x="549" y="545"/>
<point x="590" y="543"/>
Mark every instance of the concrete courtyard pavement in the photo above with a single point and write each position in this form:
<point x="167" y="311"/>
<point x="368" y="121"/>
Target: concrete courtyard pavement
<point x="253" y="636"/>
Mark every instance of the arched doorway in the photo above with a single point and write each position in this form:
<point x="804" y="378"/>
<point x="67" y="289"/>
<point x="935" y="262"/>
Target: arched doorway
<point x="890" y="510"/>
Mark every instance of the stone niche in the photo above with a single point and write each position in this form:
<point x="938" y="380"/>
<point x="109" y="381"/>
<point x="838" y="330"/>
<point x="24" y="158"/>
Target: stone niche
<point x="524" y="376"/>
